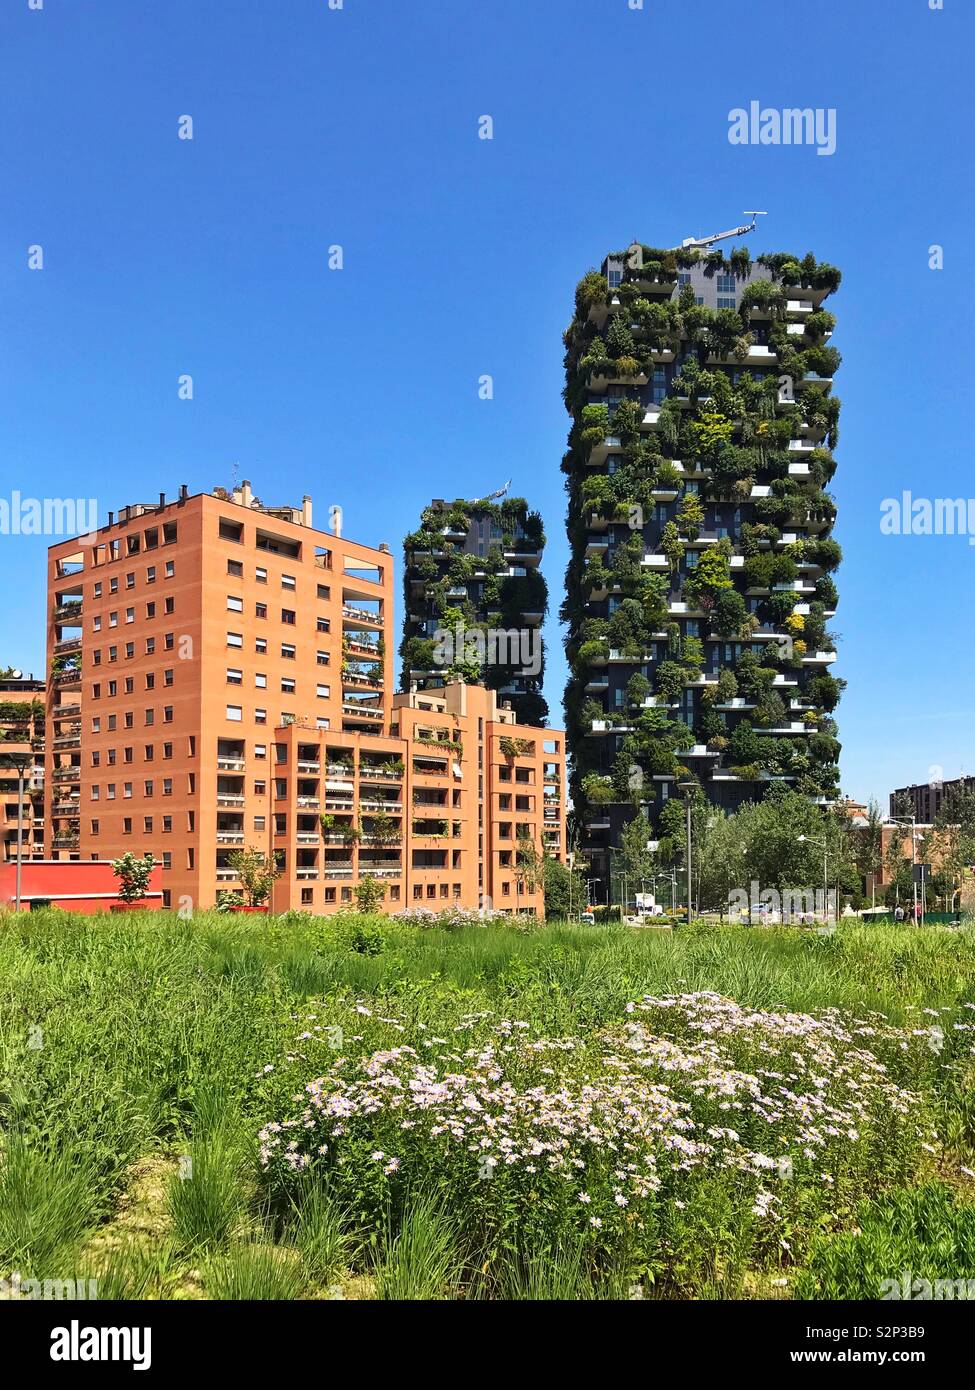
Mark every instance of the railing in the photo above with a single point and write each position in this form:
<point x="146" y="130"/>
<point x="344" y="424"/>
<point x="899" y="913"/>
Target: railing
<point x="309" y="802"/>
<point x="361" y="712"/>
<point x="306" y="873"/>
<point x="230" y="764"/>
<point x="307" y="766"/>
<point x="65" y="774"/>
<point x="230" y="837"/>
<point x="229" y="799"/>
<point x="370" y="619"/>
<point x="69" y="644"/>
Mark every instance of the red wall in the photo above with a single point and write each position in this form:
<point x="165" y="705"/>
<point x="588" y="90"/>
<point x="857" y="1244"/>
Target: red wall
<point x="76" y="885"/>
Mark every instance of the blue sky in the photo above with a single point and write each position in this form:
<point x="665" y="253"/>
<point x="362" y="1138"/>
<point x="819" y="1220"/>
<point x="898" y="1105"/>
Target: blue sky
<point x="358" y="127"/>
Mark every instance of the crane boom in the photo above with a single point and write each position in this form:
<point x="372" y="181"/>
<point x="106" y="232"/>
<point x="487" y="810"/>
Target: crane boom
<point x="693" y="243"/>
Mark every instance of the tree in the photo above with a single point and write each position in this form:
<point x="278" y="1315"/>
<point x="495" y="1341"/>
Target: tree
<point x="954" y="837"/>
<point x="868" y="851"/>
<point x="133" y="876"/>
<point x="369" y="893"/>
<point x="690" y="516"/>
<point x="256" y="873"/>
<point x="635" y="860"/>
<point x="529" y="869"/>
<point x="565" y="889"/>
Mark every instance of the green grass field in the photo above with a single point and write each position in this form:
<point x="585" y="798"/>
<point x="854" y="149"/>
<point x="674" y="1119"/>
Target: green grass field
<point x="563" y="1112"/>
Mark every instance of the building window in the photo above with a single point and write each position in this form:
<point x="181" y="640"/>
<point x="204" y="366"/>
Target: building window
<point x="235" y="712"/>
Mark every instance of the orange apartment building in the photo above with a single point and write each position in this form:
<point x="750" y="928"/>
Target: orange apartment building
<point x="22" y="742"/>
<point x="221" y="677"/>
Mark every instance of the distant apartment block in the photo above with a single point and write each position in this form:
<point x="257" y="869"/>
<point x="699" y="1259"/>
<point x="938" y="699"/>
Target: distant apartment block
<point x="475" y="600"/>
<point x="924" y="800"/>
<point x="22" y="746"/>
<point x="220" y="679"/>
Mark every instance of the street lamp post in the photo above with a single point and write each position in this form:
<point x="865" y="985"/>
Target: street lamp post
<point x="687" y="786"/>
<point x="913" y="824"/>
<point x="20" y="834"/>
<point x="824" y="846"/>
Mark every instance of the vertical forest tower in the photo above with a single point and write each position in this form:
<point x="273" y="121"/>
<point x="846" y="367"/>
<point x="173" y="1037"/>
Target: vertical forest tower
<point x="700" y="584"/>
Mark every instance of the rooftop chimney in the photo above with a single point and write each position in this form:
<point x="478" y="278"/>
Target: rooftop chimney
<point x="246" y="496"/>
<point x="306" y="510"/>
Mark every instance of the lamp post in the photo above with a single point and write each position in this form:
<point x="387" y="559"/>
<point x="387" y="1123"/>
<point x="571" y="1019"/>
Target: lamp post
<point x="687" y="786"/>
<point x="912" y="821"/>
<point x="824" y="846"/>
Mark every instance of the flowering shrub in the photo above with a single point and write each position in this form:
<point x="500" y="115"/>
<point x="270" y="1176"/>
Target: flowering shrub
<point x="449" y="918"/>
<point x="693" y="1137"/>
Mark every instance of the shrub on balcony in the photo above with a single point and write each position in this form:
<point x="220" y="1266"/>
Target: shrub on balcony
<point x="592" y="289"/>
<point x="637" y="689"/>
<point x="727" y="685"/>
<point x="690" y="516"/>
<point x="729" y="614"/>
<point x="764" y="295"/>
<point x="826" y="553"/>
<point x="709" y="577"/>
<point x="619" y="339"/>
<point x="597" y="790"/>
<point x="669" y="679"/>
<point x="667" y="475"/>
<point x="588" y="653"/>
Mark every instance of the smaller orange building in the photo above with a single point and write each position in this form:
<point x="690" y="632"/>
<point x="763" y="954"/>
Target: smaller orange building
<point x="22" y="744"/>
<point x="221" y="679"/>
<point x="456" y="806"/>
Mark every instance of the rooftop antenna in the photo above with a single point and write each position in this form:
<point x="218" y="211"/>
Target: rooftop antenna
<point x="691" y="243"/>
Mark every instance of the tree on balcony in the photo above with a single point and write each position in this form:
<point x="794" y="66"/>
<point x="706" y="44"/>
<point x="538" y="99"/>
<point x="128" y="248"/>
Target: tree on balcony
<point x="384" y="829"/>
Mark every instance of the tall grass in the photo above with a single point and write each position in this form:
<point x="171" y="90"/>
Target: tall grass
<point x="422" y="1260"/>
<point x="134" y="1035"/>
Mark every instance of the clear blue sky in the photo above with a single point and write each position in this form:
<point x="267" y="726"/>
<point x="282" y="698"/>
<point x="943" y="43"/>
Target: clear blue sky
<point x="359" y="127"/>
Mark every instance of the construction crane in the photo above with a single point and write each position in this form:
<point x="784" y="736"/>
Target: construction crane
<point x="492" y="496"/>
<point x="693" y="243"/>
